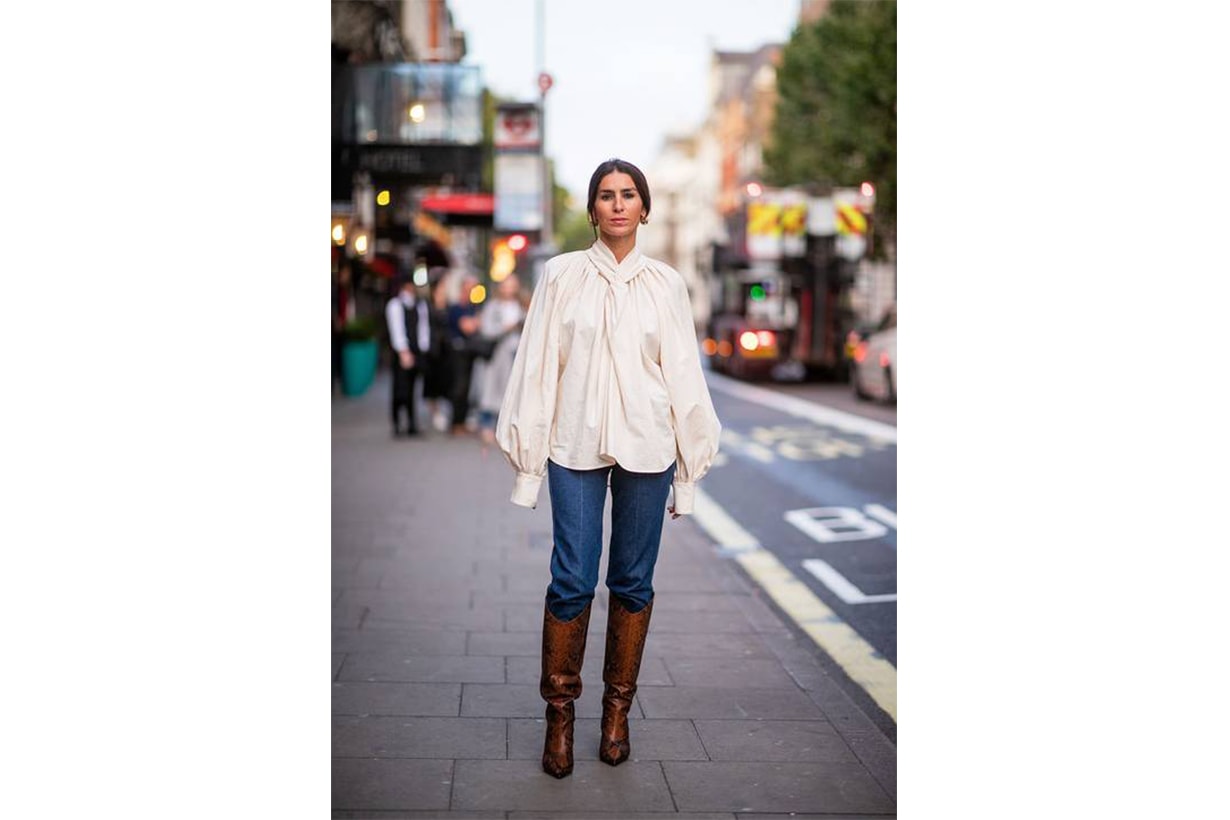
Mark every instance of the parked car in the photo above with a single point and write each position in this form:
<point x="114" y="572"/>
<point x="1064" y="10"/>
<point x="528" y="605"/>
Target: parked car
<point x="873" y="365"/>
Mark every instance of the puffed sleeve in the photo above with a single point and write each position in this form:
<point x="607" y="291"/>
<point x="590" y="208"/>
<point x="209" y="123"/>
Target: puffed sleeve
<point x="523" y="430"/>
<point x="697" y="429"/>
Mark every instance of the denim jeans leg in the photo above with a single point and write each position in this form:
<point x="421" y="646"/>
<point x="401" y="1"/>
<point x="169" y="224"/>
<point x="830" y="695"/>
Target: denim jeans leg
<point x="578" y="498"/>
<point x="638" y="508"/>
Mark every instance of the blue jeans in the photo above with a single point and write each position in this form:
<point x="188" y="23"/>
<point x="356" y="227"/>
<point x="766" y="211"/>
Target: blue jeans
<point x="638" y="508"/>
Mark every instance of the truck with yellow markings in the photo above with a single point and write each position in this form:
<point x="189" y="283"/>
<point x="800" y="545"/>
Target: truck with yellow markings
<point x="781" y="285"/>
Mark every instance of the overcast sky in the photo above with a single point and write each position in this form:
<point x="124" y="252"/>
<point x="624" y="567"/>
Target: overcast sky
<point x="625" y="74"/>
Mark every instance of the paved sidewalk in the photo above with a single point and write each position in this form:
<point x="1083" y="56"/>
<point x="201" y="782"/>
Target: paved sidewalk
<point x="438" y="583"/>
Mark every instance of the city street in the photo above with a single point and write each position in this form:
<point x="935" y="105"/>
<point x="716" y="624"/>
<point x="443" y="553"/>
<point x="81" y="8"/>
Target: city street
<point x="816" y="486"/>
<point x="437" y="608"/>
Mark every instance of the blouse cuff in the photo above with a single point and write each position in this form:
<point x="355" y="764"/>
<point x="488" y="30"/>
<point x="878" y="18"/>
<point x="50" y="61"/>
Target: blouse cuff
<point x="685" y="494"/>
<point x="525" y="491"/>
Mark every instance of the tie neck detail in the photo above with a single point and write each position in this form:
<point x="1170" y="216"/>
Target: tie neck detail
<point x="616" y="272"/>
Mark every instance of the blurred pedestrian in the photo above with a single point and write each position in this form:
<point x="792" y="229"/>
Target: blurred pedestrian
<point x="462" y="328"/>
<point x="500" y="321"/>
<point x="606" y="390"/>
<point x="438" y="369"/>
<point x="410" y="337"/>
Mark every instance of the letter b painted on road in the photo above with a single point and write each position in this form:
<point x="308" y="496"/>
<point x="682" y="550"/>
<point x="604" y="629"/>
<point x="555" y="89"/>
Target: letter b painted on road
<point x="829" y="524"/>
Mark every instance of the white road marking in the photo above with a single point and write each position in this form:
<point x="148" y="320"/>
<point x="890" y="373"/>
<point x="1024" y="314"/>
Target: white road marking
<point x="830" y="524"/>
<point x="882" y="513"/>
<point x="841" y="586"/>
<point x="803" y="409"/>
<point x="759" y="452"/>
<point x="737" y="443"/>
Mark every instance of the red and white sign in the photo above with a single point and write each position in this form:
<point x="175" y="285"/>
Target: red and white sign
<point x="545" y="82"/>
<point x="517" y="126"/>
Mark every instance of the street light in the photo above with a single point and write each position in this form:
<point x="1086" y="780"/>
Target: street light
<point x="504" y="255"/>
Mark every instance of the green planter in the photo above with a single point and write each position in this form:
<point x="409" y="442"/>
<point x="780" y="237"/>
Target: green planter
<point x="360" y="355"/>
<point x="359" y="359"/>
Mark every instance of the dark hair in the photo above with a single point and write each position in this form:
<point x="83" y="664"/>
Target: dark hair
<point x="612" y="166"/>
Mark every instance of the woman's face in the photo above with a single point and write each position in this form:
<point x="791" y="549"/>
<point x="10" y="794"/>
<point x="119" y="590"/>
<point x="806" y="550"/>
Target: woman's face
<point x="618" y="207"/>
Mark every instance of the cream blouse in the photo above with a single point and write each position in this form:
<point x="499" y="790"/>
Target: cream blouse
<point x="608" y="372"/>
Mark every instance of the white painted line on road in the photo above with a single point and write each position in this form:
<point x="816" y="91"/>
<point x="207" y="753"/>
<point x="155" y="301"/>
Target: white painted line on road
<point x="841" y="586"/>
<point x="857" y="658"/>
<point x="736" y="442"/>
<point x="759" y="452"/>
<point x="803" y="409"/>
<point x="882" y="513"/>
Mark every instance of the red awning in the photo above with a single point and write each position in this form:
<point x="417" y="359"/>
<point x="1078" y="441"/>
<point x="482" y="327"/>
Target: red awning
<point x="460" y="204"/>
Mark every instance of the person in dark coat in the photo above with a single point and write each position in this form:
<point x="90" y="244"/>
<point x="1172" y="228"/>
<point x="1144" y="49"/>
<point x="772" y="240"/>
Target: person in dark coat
<point x="410" y="337"/>
<point x="463" y="324"/>
<point x="438" y="370"/>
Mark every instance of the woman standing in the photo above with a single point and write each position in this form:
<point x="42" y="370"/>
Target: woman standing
<point x="606" y="389"/>
<point x="499" y="321"/>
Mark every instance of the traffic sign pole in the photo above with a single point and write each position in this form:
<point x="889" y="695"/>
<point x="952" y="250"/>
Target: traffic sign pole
<point x="544" y="83"/>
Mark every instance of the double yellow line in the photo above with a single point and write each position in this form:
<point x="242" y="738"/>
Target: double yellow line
<point x="855" y="656"/>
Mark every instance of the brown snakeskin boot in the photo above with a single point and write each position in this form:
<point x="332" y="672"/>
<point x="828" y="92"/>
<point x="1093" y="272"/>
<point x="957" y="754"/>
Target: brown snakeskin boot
<point x="563" y="652"/>
<point x="625" y="643"/>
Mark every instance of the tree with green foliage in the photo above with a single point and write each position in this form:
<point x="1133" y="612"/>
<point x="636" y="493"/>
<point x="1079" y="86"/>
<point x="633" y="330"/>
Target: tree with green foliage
<point x="836" y="119"/>
<point x="575" y="233"/>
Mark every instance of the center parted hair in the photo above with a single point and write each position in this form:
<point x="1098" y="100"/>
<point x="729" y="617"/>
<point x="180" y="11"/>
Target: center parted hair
<point x="613" y="166"/>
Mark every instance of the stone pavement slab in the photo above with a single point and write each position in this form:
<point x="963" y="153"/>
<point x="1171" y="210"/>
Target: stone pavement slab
<point x="387" y="667"/>
<point x="397" y="699"/>
<point x="520" y="784"/>
<point x="408" y="642"/>
<point x="432" y="737"/>
<point x="773" y="741"/>
<point x="775" y="787"/>
<point x="391" y="784"/>
<point x="420" y="815"/>
<point x="705" y="645"/>
<point x="728" y="673"/>
<point x="416" y="616"/>
<point x="807" y="816"/>
<point x="606" y="815"/>
<point x="707" y="702"/>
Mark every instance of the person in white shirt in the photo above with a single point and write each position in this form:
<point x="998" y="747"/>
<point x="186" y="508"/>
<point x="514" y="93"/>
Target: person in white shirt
<point x="606" y="390"/>
<point x="410" y="336"/>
